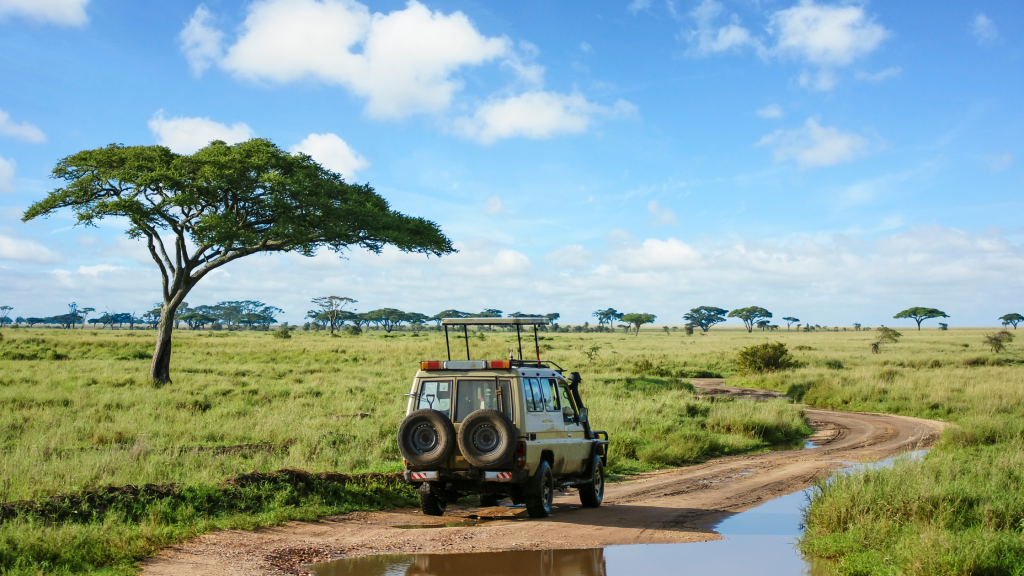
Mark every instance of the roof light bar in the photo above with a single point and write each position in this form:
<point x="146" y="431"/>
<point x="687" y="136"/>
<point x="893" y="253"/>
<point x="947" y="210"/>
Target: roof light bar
<point x="466" y="365"/>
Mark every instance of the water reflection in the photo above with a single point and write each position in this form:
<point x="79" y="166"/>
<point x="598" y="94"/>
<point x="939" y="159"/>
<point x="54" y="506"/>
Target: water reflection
<point x="586" y="562"/>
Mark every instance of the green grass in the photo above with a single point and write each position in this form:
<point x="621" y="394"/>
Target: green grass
<point x="77" y="413"/>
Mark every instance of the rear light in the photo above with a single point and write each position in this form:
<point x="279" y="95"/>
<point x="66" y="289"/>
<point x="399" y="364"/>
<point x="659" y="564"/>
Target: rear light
<point x="430" y="365"/>
<point x="521" y="454"/>
<point x="499" y="364"/>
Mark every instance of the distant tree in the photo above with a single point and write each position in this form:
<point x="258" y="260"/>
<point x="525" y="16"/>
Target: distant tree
<point x="73" y="314"/>
<point x="416" y="319"/>
<point x="224" y="202"/>
<point x="358" y="320"/>
<point x="1012" y="319"/>
<point x="705" y="316"/>
<point x="152" y="317"/>
<point x="32" y="321"/>
<point x="638" y="319"/>
<point x="448" y="314"/>
<point x="256" y="313"/>
<point x="19" y="320"/>
<point x="108" y="318"/>
<point x="332" y="307"/>
<point x="552" y="317"/>
<point x="198" y="320"/>
<point x="5" y="313"/>
<point x="750" y="315"/>
<point x="998" y="341"/>
<point x="319" y="318"/>
<point x="885" y="335"/>
<point x="763" y="324"/>
<point x="489" y="313"/>
<point x="387" y="318"/>
<point x="856" y="326"/>
<point x="790" y="321"/>
<point x="919" y="314"/>
<point x="85" y="314"/>
<point x="182" y="310"/>
<point x="608" y="316"/>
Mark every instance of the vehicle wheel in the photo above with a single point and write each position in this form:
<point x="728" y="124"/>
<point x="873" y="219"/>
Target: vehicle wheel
<point x="538" y="505"/>
<point x="432" y="505"/>
<point x="592" y="494"/>
<point x="426" y="438"/>
<point x="490" y="500"/>
<point x="487" y="439"/>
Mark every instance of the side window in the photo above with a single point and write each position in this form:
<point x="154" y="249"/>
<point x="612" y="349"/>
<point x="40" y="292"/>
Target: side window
<point x="435" y="395"/>
<point x="563" y="393"/>
<point x="505" y="387"/>
<point x="550" y="386"/>
<point x="534" y="399"/>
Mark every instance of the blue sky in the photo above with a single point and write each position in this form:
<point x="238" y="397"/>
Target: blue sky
<point x="834" y="161"/>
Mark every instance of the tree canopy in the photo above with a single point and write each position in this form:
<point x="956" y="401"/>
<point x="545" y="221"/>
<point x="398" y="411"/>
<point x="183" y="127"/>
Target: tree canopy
<point x="790" y="320"/>
<point x="1012" y="320"/>
<point x="200" y="211"/>
<point x="332" y="307"/>
<point x="919" y="314"/>
<point x="638" y="319"/>
<point x="705" y="316"/>
<point x="609" y="316"/>
<point x="750" y="315"/>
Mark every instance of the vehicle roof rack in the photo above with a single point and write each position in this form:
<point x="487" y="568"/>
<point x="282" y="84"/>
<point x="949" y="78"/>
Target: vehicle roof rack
<point x="494" y="322"/>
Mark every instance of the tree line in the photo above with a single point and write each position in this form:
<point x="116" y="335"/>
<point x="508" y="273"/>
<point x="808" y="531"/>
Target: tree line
<point x="251" y="314"/>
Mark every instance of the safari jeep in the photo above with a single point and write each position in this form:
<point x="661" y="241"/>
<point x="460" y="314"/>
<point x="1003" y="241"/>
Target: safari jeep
<point x="499" y="428"/>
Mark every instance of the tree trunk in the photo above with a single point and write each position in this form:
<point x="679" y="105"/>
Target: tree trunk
<point x="160" y="370"/>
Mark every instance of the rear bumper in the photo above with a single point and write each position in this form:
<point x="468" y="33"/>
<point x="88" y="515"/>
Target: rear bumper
<point x="463" y="479"/>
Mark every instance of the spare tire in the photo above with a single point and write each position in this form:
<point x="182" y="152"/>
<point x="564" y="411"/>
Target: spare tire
<point x="487" y="439"/>
<point x="426" y="439"/>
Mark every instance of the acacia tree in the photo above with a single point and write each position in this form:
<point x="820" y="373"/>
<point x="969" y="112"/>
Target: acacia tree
<point x="790" y="320"/>
<point x="5" y="315"/>
<point x="1008" y="319"/>
<point x="638" y="319"/>
<point x="387" y="318"/>
<point x="199" y="212"/>
<point x="919" y="314"/>
<point x="332" y="307"/>
<point x="85" y="314"/>
<point x="705" y="316"/>
<point x="750" y="315"/>
<point x="609" y="317"/>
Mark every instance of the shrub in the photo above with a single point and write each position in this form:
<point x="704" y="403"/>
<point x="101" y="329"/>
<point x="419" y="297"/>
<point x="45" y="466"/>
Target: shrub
<point x="834" y="364"/>
<point x="354" y="330"/>
<point x="998" y="341"/>
<point x="283" y="333"/>
<point x="767" y="357"/>
<point x="802" y="348"/>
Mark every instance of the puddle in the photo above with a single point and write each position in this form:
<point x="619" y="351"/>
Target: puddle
<point x="758" y="542"/>
<point x="799" y="445"/>
<point x="459" y="524"/>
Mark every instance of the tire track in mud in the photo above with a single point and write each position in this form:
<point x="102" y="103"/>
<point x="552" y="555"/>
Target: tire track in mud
<point x="667" y="506"/>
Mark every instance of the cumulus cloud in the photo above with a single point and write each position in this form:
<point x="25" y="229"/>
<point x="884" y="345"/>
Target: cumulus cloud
<point x="333" y="153"/>
<point x="6" y="175"/>
<point x="535" y="115"/>
<point x="813" y="145"/>
<point x="825" y="35"/>
<point x="60" y="12"/>
<point x="573" y="256"/>
<point x="770" y="111"/>
<point x="820" y="80"/>
<point x="27" y="251"/>
<point x="655" y="254"/>
<point x="186" y="135"/>
<point x="494" y="206"/>
<point x="881" y="75"/>
<point x="20" y="130"/>
<point x="709" y="38"/>
<point x="201" y="43"/>
<point x="984" y="29"/>
<point x="403" y="62"/>
<point x="660" y="215"/>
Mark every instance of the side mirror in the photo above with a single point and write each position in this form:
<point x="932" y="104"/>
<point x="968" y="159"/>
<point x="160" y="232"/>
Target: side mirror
<point x="583" y="415"/>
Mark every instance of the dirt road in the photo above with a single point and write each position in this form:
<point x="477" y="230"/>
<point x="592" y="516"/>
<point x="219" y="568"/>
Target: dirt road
<point x="669" y="506"/>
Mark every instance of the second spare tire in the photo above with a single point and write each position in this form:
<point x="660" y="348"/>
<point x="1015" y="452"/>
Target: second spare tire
<point x="426" y="439"/>
<point x="487" y="439"/>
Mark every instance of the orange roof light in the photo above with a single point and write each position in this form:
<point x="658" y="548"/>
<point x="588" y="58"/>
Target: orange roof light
<point x="430" y="365"/>
<point x="496" y="364"/>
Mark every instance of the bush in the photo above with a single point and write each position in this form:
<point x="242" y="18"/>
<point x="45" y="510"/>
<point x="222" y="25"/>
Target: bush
<point x="767" y="357"/>
<point x="354" y="330"/>
<point x="998" y="341"/>
<point x="833" y="364"/>
<point x="283" y="333"/>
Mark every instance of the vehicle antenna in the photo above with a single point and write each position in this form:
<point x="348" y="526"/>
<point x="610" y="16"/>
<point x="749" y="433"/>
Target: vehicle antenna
<point x="447" y="345"/>
<point x="536" y="343"/>
<point x="519" y="336"/>
<point x="465" y="330"/>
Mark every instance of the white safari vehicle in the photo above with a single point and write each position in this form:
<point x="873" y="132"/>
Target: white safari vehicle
<point x="499" y="428"/>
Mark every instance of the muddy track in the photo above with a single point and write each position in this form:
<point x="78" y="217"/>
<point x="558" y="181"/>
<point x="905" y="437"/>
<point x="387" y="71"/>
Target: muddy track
<point x="669" y="506"/>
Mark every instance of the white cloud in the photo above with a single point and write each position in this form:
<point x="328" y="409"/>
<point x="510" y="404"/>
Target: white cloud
<point x="333" y="153"/>
<point x="494" y="206"/>
<point x="62" y="12"/>
<point x="6" y="175"/>
<point x="655" y="255"/>
<point x="708" y="38"/>
<point x="403" y="62"/>
<point x="1001" y="162"/>
<point x="22" y="131"/>
<point x="535" y="115"/>
<point x="201" y="42"/>
<point x="186" y="135"/>
<point x="26" y="251"/>
<point x="822" y="80"/>
<point x="825" y="35"/>
<point x="984" y="29"/>
<point x="815" y="145"/>
<point x="573" y="256"/>
<point x="661" y="215"/>
<point x="771" y="111"/>
<point x="638" y="5"/>
<point x="890" y="72"/>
